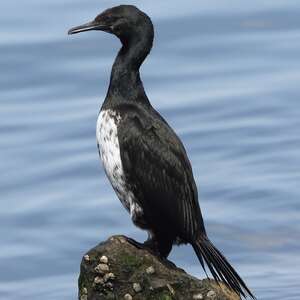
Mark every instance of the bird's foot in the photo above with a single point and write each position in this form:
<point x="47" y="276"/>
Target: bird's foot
<point x="167" y="262"/>
<point x="151" y="246"/>
<point x="135" y="243"/>
<point x="147" y="245"/>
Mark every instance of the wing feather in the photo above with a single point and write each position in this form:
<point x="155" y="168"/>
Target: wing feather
<point x="155" y="162"/>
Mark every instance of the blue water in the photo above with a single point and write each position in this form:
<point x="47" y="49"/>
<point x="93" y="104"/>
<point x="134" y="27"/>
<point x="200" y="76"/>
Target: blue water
<point x="225" y="74"/>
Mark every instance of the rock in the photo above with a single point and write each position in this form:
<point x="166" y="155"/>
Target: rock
<point x="150" y="270"/>
<point x="86" y="258"/>
<point x="108" y="277"/>
<point x="137" y="287"/>
<point x="109" y="285"/>
<point x="211" y="295"/>
<point x="128" y="297"/>
<point x="102" y="268"/>
<point x="128" y="276"/>
<point x="98" y="280"/>
<point x="104" y="259"/>
<point x="172" y="291"/>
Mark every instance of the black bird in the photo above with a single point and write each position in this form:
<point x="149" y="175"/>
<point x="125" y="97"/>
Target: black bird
<point x="143" y="157"/>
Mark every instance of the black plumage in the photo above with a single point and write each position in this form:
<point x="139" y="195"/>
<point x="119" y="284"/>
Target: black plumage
<point x="157" y="171"/>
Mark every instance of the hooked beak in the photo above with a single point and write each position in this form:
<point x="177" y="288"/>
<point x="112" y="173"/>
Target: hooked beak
<point x="89" y="26"/>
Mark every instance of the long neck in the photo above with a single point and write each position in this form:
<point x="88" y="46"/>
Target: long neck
<point x="125" y="82"/>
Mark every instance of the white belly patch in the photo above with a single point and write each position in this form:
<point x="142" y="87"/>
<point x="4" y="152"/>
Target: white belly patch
<point x="109" y="149"/>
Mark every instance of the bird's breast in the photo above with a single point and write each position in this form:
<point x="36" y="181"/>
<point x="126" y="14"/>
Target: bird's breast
<point x="109" y="150"/>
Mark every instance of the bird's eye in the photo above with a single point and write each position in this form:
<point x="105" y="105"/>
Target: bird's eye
<point x="109" y="18"/>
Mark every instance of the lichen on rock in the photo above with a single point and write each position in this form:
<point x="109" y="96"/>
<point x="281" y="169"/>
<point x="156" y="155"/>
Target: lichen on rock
<point x="116" y="269"/>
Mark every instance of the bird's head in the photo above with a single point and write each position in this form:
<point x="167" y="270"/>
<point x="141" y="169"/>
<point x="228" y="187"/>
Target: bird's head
<point x="127" y="22"/>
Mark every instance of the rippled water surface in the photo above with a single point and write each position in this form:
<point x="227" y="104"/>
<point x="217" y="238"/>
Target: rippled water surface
<point x="226" y="76"/>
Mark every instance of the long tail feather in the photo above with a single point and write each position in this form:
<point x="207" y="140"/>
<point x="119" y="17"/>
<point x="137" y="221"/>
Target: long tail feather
<point x="219" y="267"/>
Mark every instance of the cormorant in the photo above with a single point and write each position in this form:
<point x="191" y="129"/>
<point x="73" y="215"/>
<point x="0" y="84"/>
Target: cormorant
<point x="143" y="157"/>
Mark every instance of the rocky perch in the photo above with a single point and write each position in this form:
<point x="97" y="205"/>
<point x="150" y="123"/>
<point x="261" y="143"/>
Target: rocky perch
<point x="116" y="269"/>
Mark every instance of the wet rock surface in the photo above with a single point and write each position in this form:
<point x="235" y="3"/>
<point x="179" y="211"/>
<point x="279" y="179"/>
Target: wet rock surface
<point x="116" y="269"/>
